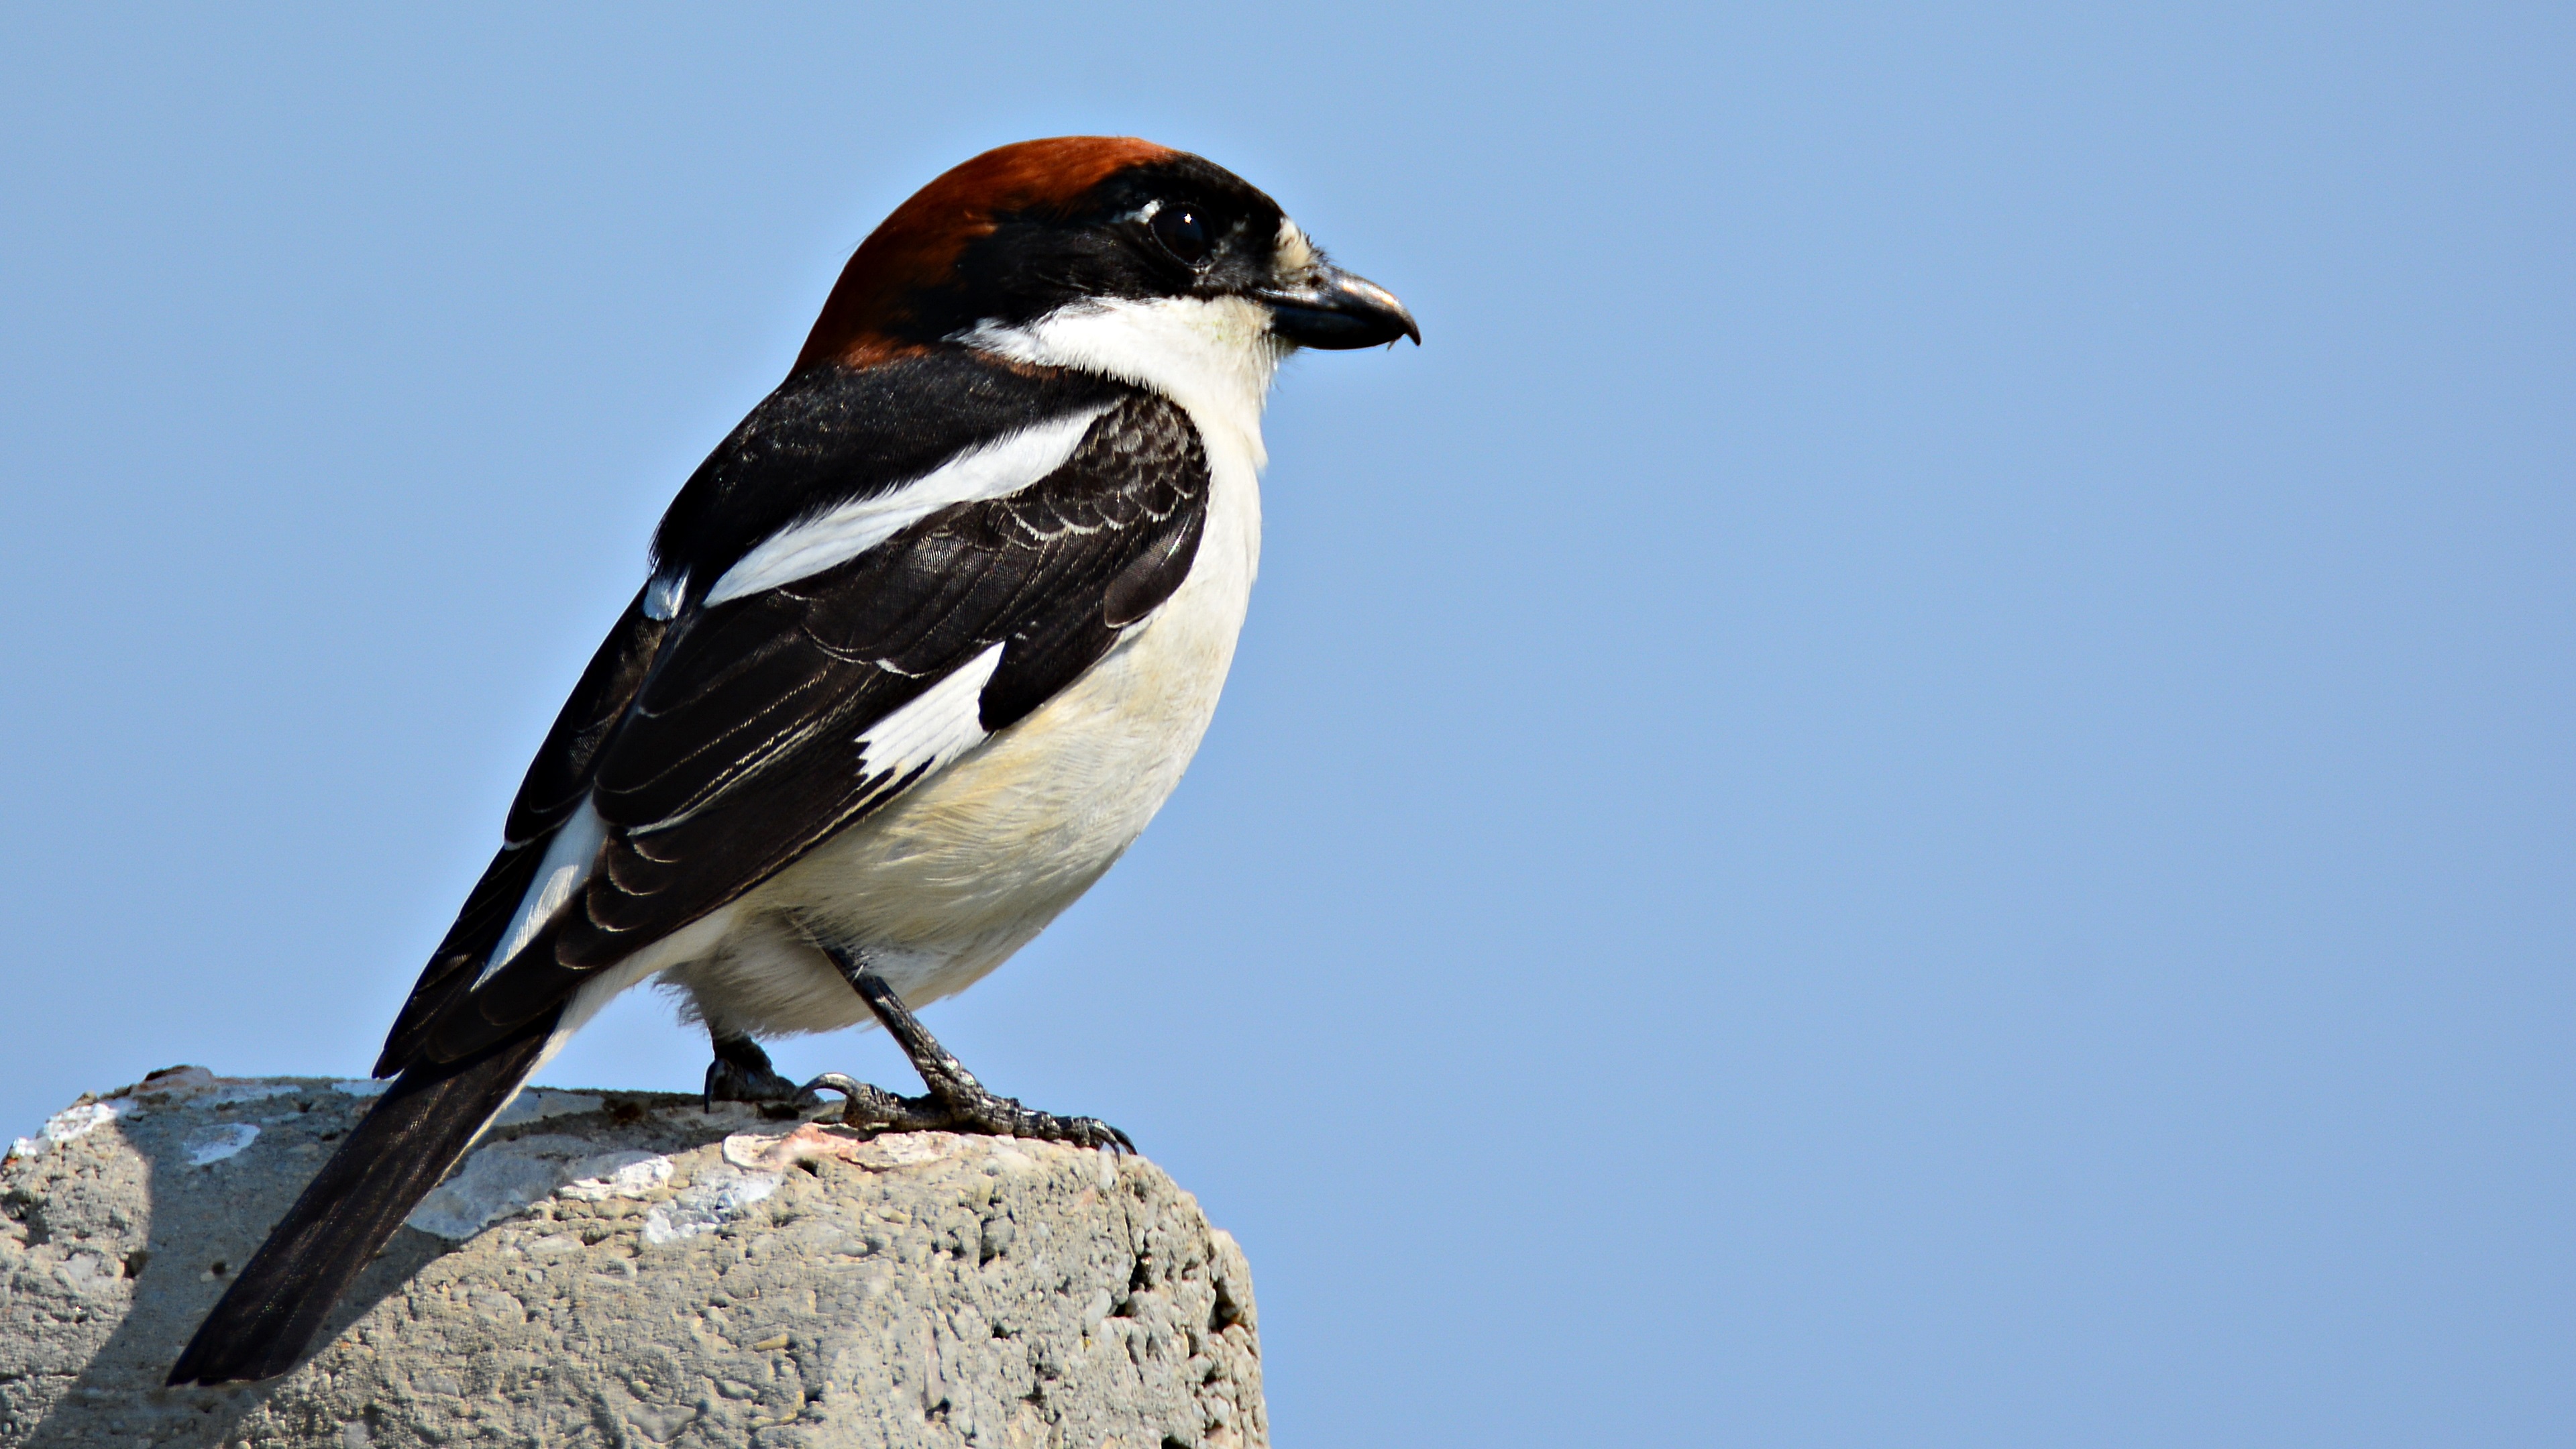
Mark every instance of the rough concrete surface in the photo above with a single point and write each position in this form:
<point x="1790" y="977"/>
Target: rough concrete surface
<point x="624" y="1269"/>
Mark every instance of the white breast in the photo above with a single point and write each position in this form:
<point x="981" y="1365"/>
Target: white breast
<point x="944" y="884"/>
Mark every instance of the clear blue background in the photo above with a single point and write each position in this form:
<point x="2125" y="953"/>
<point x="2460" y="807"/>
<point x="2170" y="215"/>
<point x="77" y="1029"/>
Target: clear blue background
<point x="1912" y="787"/>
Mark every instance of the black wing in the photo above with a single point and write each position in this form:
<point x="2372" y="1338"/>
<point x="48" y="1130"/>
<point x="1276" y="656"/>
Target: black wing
<point x="555" y="785"/>
<point x="732" y="750"/>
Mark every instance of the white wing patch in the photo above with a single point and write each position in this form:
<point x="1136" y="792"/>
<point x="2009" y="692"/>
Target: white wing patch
<point x="569" y="857"/>
<point x="944" y="722"/>
<point x="993" y="470"/>
<point x="662" y="596"/>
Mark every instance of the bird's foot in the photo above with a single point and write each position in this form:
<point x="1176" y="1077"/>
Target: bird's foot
<point x="956" y="1101"/>
<point x="966" y="1107"/>
<point x="741" y="1073"/>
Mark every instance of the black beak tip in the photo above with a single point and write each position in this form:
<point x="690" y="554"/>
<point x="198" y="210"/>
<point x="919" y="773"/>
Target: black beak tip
<point x="1342" y="313"/>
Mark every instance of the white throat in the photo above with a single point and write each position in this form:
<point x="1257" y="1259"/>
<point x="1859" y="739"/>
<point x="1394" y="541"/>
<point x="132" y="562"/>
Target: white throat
<point x="1213" y="356"/>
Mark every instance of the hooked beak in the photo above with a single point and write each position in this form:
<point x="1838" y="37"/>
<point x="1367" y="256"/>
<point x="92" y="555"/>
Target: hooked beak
<point x="1329" y="309"/>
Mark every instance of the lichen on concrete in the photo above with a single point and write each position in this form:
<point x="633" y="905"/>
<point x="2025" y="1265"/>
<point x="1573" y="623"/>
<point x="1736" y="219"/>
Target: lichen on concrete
<point x="625" y="1269"/>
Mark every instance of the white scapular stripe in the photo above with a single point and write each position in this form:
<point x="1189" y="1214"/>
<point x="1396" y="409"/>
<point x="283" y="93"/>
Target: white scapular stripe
<point x="569" y="857"/>
<point x="996" y="469"/>
<point x="944" y="722"/>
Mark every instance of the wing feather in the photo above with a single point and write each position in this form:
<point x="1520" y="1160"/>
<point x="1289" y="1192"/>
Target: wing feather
<point x="742" y="745"/>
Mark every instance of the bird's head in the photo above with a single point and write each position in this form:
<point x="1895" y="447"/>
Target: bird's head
<point x="1101" y="252"/>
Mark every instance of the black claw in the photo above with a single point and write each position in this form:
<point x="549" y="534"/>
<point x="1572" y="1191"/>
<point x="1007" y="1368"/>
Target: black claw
<point x="741" y="1072"/>
<point x="956" y="1102"/>
<point x="878" y="1110"/>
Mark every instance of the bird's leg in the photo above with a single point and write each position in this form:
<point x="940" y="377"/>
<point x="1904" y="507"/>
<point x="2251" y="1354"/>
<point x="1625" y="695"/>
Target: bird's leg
<point x="956" y="1101"/>
<point x="741" y="1073"/>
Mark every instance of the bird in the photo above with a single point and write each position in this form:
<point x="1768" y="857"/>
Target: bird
<point x="923" y="645"/>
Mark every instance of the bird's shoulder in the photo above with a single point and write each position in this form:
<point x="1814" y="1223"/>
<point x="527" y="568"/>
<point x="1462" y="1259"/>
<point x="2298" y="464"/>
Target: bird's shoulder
<point x="894" y="605"/>
<point x="833" y="435"/>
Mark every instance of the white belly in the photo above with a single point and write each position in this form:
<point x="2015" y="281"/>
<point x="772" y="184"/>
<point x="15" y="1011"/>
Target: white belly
<point x="944" y="884"/>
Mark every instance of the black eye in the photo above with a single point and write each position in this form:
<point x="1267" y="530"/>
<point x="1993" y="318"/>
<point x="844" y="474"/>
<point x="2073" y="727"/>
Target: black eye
<point x="1183" y="232"/>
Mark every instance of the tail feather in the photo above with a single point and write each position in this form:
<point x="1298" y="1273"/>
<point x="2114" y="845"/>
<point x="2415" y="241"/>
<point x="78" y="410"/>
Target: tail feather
<point x="414" y="1134"/>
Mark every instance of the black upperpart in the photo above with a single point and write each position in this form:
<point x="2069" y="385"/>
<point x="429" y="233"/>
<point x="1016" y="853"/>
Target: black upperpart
<point x="834" y="433"/>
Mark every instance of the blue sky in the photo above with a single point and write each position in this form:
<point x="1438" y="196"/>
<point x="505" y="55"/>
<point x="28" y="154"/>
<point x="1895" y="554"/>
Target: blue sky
<point x="1911" y="786"/>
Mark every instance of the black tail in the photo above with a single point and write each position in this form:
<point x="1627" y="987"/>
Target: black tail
<point x="416" y="1131"/>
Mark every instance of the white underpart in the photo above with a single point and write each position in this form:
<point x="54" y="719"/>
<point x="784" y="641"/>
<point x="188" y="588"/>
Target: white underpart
<point x="943" y="722"/>
<point x="940" y="886"/>
<point x="993" y="470"/>
<point x="568" y="861"/>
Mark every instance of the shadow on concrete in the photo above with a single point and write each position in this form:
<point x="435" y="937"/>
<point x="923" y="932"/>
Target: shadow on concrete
<point x="165" y="1230"/>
